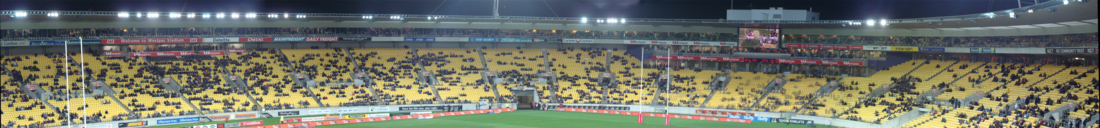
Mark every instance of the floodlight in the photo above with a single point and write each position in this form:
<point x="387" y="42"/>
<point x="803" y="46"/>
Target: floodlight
<point x="20" y="14"/>
<point x="192" y="15"/>
<point x="870" y="23"/>
<point x="220" y="15"/>
<point x="250" y="15"/>
<point x="367" y="17"/>
<point x="1030" y="10"/>
<point x="52" y="14"/>
<point x="152" y="15"/>
<point x="612" y="20"/>
<point x="123" y="14"/>
<point x="1012" y="14"/>
<point x="300" y="16"/>
<point x="584" y="20"/>
<point x="234" y="15"/>
<point x="272" y="16"/>
<point x="206" y="15"/>
<point x="1065" y="2"/>
<point x="883" y="22"/>
<point x="173" y="15"/>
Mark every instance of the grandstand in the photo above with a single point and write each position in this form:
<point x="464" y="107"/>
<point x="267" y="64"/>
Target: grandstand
<point x="902" y="76"/>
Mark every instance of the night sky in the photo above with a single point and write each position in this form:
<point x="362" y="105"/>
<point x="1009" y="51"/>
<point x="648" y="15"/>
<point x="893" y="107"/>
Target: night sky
<point x="677" y="9"/>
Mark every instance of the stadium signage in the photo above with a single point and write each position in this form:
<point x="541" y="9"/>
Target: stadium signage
<point x="237" y="50"/>
<point x="380" y="115"/>
<point x="177" y="120"/>
<point x="667" y="42"/>
<point x="318" y="111"/>
<point x="288" y="113"/>
<point x="354" y="116"/>
<point x="792" y="121"/>
<point x="1071" y="50"/>
<point x="876" y="48"/>
<point x="244" y="116"/>
<point x="932" y="49"/>
<point x="354" y="38"/>
<point x="14" y="43"/>
<point x="734" y="59"/>
<point x="824" y="46"/>
<point x="163" y="54"/>
<point x="421" y="108"/>
<point x="209" y="126"/>
<point x="251" y="123"/>
<point x="305" y="38"/>
<point x="112" y="53"/>
<point x="581" y="41"/>
<point x="419" y="38"/>
<point x="225" y="39"/>
<point x="347" y="110"/>
<point x="309" y="119"/>
<point x="151" y="40"/>
<point x="131" y="124"/>
<point x="904" y="49"/>
<point x="47" y="42"/>
<point x="220" y="117"/>
<point x="983" y="50"/>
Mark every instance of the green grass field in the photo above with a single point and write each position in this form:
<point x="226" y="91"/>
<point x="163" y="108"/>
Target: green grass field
<point x="555" y="119"/>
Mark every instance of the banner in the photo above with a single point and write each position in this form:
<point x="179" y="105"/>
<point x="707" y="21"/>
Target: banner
<point x="292" y="120"/>
<point x="112" y="53"/>
<point x="983" y="50"/>
<point x="422" y="108"/>
<point x="383" y="115"/>
<point x="209" y="126"/>
<point x="387" y="39"/>
<point x="255" y="39"/>
<point x="932" y="49"/>
<point x="288" y="113"/>
<point x="244" y="116"/>
<point x="1071" y="50"/>
<point x="177" y="120"/>
<point x="706" y="58"/>
<point x="582" y="41"/>
<point x="419" y="38"/>
<point x="354" y="116"/>
<point x="176" y="53"/>
<point x="824" y="46"/>
<point x="220" y="117"/>
<point x="305" y="39"/>
<point x="347" y="110"/>
<point x="46" y="42"/>
<point x="317" y="111"/>
<point x="131" y="124"/>
<point x="904" y="49"/>
<point x="78" y="42"/>
<point x="14" y="43"/>
<point x="100" y="126"/>
<point x="793" y="121"/>
<point x="876" y="48"/>
<point x="425" y="112"/>
<point x="354" y="38"/>
<point x="221" y="39"/>
<point x="252" y="123"/>
<point x="333" y="117"/>
<point x="151" y="40"/>
<point x="237" y="51"/>
<point x="310" y="119"/>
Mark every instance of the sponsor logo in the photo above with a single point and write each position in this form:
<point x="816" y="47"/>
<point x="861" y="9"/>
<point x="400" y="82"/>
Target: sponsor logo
<point x="288" y="113"/>
<point x="246" y="115"/>
<point x="308" y="119"/>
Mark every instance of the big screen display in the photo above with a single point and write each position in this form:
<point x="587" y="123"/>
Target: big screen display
<point x="759" y="37"/>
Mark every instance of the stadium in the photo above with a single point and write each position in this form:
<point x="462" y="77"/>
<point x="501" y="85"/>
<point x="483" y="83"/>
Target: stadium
<point x="1031" y="66"/>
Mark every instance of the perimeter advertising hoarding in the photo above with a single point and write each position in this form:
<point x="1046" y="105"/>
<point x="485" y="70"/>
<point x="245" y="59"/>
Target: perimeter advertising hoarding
<point x="46" y="42"/>
<point x="932" y="49"/>
<point x="283" y="39"/>
<point x="131" y="124"/>
<point x="1071" y="50"/>
<point x="112" y="53"/>
<point x="904" y="49"/>
<point x="14" y="43"/>
<point x="578" y="41"/>
<point x="421" y="108"/>
<point x="983" y="50"/>
<point x="824" y="46"/>
<point x="288" y="113"/>
<point x="177" y="120"/>
<point x="387" y="39"/>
